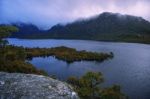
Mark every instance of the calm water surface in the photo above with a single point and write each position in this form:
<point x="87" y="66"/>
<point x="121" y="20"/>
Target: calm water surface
<point x="130" y="67"/>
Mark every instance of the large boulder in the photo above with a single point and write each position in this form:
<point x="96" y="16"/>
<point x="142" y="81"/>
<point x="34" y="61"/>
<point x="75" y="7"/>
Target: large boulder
<point x="29" y="86"/>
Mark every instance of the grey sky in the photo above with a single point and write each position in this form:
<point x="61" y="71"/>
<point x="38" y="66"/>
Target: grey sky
<point x="45" y="13"/>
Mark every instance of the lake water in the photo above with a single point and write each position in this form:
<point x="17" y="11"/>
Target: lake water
<point x="130" y="67"/>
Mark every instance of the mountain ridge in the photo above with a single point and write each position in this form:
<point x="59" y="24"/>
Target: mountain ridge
<point x="105" y="26"/>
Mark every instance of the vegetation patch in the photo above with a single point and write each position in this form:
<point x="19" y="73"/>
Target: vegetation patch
<point x="89" y="87"/>
<point x="13" y="59"/>
<point x="68" y="54"/>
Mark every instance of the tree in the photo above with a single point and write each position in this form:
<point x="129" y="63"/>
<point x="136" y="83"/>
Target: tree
<point x="90" y="84"/>
<point x="5" y="31"/>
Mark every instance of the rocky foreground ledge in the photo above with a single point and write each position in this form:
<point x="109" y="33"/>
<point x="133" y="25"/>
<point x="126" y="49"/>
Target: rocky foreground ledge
<point x="29" y="86"/>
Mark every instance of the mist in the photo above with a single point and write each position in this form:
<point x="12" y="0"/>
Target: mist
<point x="46" y="13"/>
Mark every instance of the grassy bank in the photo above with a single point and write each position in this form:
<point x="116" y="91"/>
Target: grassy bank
<point x="13" y="59"/>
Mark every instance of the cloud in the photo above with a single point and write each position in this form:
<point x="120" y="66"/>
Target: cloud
<point x="46" y="13"/>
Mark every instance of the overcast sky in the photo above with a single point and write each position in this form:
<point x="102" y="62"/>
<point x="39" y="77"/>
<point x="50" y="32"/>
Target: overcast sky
<point x="46" y="13"/>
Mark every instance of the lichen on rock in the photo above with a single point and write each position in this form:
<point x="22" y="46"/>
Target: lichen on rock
<point x="29" y="86"/>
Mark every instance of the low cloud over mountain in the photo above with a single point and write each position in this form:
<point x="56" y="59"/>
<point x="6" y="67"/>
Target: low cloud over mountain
<point x="46" y="13"/>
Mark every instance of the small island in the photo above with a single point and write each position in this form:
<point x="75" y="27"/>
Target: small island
<point x="67" y="54"/>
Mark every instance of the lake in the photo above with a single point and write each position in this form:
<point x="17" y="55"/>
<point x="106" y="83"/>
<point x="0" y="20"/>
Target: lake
<point x="130" y="67"/>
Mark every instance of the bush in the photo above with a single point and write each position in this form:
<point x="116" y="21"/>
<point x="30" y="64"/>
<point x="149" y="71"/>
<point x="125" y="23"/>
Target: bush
<point x="88" y="87"/>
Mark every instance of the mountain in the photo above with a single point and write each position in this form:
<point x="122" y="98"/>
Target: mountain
<point x="26" y="30"/>
<point x="106" y="26"/>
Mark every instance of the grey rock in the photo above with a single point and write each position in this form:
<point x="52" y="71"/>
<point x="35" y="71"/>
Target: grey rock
<point x="29" y="86"/>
